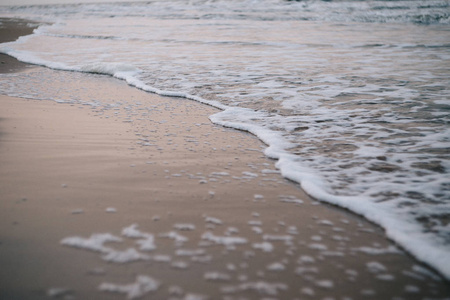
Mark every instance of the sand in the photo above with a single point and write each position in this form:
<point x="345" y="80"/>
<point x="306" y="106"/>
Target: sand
<point x="224" y="222"/>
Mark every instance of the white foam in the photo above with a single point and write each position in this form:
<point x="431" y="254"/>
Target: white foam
<point x="181" y="265"/>
<point x="220" y="174"/>
<point x="316" y="238"/>
<point x="113" y="69"/>
<point x="143" y="285"/>
<point x="325" y="222"/>
<point x="386" y="277"/>
<point x="95" y="242"/>
<point x="184" y="226"/>
<point x="276" y="266"/>
<point x="376" y="267"/>
<point x="257" y="230"/>
<point x="317" y="246"/>
<point x="132" y="232"/>
<point x="250" y="174"/>
<point x="254" y="223"/>
<point x="178" y="238"/>
<point x="124" y="256"/>
<point x="58" y="292"/>
<point x="275" y="237"/>
<point x="306" y="259"/>
<point x="111" y="210"/>
<point x="423" y="271"/>
<point x="292" y="230"/>
<point x="327" y="284"/>
<point x="217" y="276"/>
<point x="146" y="240"/>
<point x="308" y="291"/>
<point x="378" y="251"/>
<point x="224" y="240"/>
<point x="191" y="296"/>
<point x="213" y="220"/>
<point x="231" y="231"/>
<point x="264" y="246"/>
<point x="290" y="199"/>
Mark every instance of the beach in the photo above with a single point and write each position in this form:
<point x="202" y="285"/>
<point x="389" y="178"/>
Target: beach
<point x="182" y="208"/>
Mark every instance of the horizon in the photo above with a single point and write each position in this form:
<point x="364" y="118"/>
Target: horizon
<point x="51" y="2"/>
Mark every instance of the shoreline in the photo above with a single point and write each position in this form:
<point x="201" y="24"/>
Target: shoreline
<point x="95" y="171"/>
<point x="11" y="30"/>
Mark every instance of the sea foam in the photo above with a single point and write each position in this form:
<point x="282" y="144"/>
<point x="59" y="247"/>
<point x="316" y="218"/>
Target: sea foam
<point x="358" y="121"/>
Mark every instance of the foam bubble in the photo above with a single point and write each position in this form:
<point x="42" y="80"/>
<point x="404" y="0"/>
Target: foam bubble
<point x="143" y="285"/>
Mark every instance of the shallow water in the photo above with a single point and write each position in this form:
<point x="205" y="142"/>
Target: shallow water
<point x="351" y="96"/>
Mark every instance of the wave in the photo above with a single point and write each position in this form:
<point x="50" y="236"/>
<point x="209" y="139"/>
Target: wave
<point x="371" y="11"/>
<point x="424" y="247"/>
<point x="299" y="131"/>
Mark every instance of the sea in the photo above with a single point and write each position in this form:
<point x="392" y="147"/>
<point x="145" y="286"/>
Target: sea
<point x="352" y="98"/>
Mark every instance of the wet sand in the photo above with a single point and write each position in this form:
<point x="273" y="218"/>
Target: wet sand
<point x="225" y="224"/>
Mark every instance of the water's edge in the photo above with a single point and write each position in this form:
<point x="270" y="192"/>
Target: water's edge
<point x="422" y="249"/>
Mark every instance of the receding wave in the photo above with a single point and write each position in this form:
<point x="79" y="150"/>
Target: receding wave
<point x="360" y="120"/>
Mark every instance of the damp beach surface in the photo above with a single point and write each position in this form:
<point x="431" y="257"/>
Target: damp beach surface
<point x="123" y="194"/>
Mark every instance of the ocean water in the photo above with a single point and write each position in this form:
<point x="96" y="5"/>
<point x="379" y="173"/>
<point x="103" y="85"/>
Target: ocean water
<point x="351" y="97"/>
